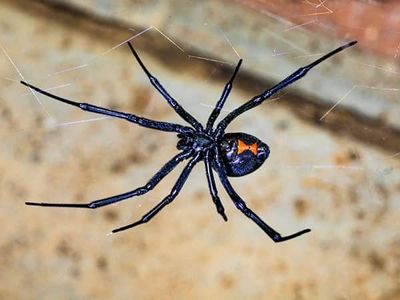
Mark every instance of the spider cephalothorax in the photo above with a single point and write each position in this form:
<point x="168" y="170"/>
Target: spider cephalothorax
<point x="198" y="142"/>
<point x="229" y="154"/>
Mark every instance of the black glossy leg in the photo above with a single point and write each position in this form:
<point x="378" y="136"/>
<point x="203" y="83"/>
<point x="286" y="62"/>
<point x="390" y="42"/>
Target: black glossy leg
<point x="167" y="200"/>
<point x="164" y="171"/>
<point x="171" y="101"/>
<point x="213" y="188"/>
<point x="257" y="100"/>
<point x="220" y="104"/>
<point x="158" y="125"/>
<point x="241" y="205"/>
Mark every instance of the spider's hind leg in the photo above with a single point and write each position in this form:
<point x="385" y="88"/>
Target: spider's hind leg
<point x="213" y="188"/>
<point x="167" y="200"/>
<point x="241" y="205"/>
<point x="164" y="171"/>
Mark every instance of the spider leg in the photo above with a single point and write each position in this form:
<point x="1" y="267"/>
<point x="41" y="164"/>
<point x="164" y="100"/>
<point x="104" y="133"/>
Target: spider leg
<point x="158" y="125"/>
<point x="220" y="104"/>
<point x="213" y="188"/>
<point x="241" y="205"/>
<point x="167" y="200"/>
<point x="257" y="100"/>
<point x="164" y="171"/>
<point x="171" y="101"/>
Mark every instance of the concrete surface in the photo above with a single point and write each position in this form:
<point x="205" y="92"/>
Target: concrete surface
<point x="345" y="190"/>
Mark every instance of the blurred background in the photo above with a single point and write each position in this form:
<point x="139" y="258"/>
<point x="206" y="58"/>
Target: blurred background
<point x="334" y="139"/>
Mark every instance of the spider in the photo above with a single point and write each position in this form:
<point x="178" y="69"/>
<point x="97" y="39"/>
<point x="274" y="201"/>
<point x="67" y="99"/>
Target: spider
<point x="228" y="154"/>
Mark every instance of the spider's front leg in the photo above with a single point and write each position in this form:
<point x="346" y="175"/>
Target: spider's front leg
<point x="220" y="104"/>
<point x="171" y="101"/>
<point x="212" y="186"/>
<point x="267" y="94"/>
<point x="167" y="200"/>
<point x="241" y="205"/>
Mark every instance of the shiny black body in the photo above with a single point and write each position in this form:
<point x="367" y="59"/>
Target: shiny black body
<point x="228" y="154"/>
<point x="239" y="163"/>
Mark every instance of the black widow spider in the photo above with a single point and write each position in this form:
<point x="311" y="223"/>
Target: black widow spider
<point x="229" y="154"/>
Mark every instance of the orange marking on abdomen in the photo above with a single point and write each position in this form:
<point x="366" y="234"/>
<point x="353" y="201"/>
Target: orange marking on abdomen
<point x="242" y="146"/>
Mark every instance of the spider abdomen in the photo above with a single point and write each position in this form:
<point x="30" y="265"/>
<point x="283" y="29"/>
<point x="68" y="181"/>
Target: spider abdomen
<point x="242" y="153"/>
